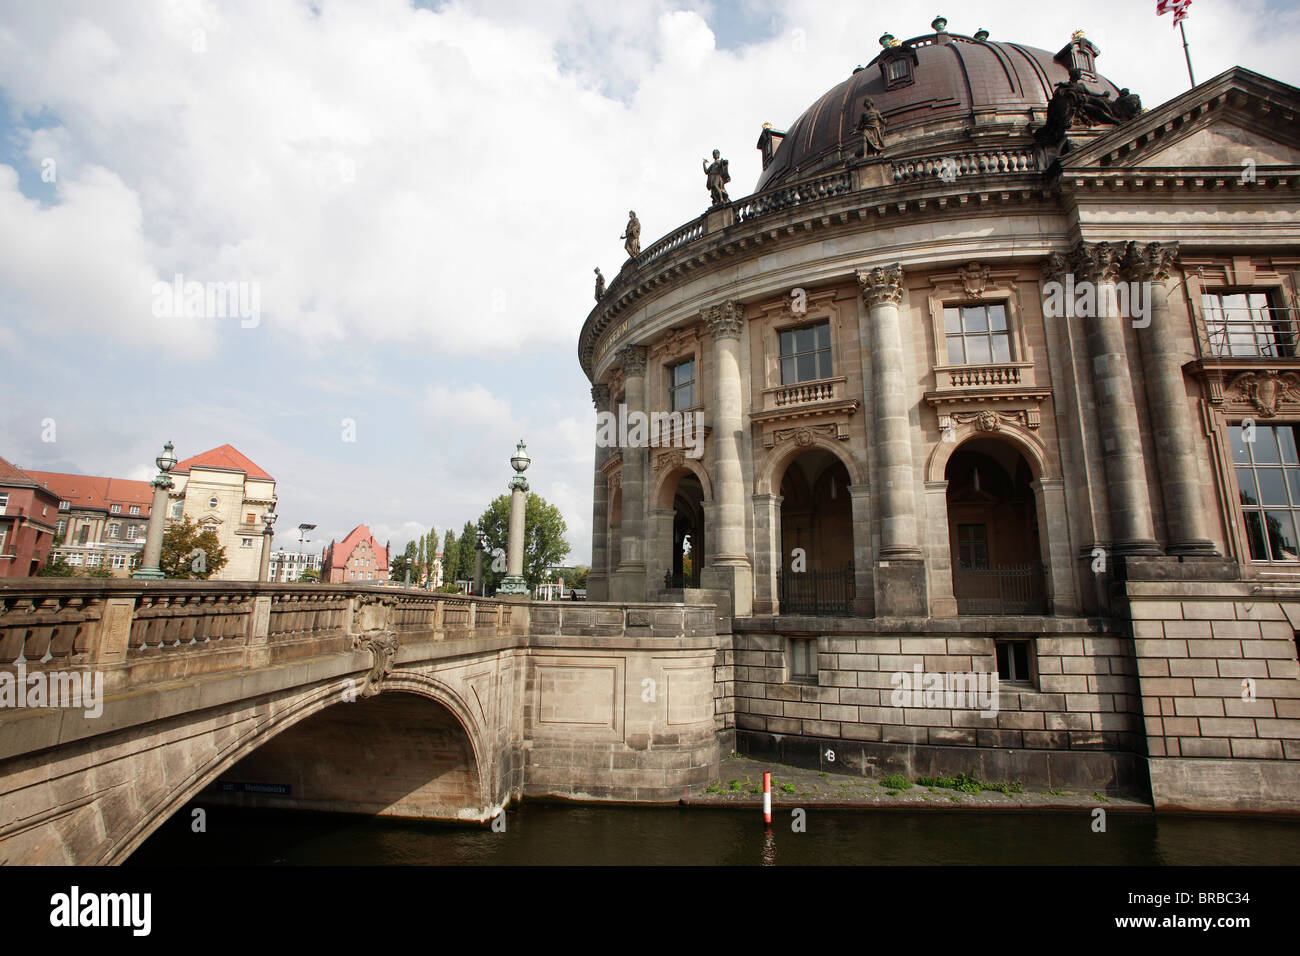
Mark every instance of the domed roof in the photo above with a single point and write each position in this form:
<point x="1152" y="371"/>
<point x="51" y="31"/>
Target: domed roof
<point x="944" y="76"/>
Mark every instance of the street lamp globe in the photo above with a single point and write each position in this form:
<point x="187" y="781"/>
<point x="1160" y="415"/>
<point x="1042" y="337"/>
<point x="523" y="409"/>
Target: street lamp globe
<point x="167" y="460"/>
<point x="520" y="461"/>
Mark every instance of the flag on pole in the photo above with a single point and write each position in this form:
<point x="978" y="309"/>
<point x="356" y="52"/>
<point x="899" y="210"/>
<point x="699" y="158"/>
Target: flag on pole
<point x="1179" y="7"/>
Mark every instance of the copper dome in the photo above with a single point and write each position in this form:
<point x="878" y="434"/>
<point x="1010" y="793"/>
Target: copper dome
<point x="951" y="77"/>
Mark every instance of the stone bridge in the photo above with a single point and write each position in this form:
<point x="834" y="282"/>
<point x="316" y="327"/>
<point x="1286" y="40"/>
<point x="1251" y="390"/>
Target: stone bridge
<point x="370" y="700"/>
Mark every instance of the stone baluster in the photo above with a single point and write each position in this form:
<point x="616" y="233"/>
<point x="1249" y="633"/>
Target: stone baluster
<point x="1176" y="458"/>
<point x="900" y="573"/>
<point x="628" y="582"/>
<point x="729" y="566"/>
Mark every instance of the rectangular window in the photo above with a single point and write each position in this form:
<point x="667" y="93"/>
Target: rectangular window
<point x="246" y="542"/>
<point x="4" y="503"/>
<point x="61" y="526"/>
<point x="119" y="560"/>
<point x="83" y="534"/>
<point x="1014" y="661"/>
<point x="3" y="532"/>
<point x="681" y="386"/>
<point x="65" y="505"/>
<point x="115" y="509"/>
<point x="973" y="545"/>
<point x="1245" y="324"/>
<point x="1268" y="486"/>
<point x="135" y="509"/>
<point x="803" y="659"/>
<point x="92" y="560"/>
<point x="178" y="509"/>
<point x="74" y="559"/>
<point x="114" y="529"/>
<point x="977" y="334"/>
<point x="806" y="354"/>
<point x="132" y="532"/>
<point x="250" y="518"/>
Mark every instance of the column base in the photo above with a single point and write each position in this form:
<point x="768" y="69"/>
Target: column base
<point x="901" y="589"/>
<point x="627" y="584"/>
<point x="1198" y="547"/>
<point x="736" y="578"/>
<point x="148" y="574"/>
<point x="1136" y="546"/>
<point x="513" y="584"/>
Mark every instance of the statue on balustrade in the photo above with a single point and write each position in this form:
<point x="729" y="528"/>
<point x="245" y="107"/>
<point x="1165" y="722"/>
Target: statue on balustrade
<point x="1073" y="104"/>
<point x="716" y="179"/>
<point x="872" y="128"/>
<point x="600" y="285"/>
<point x="633" y="236"/>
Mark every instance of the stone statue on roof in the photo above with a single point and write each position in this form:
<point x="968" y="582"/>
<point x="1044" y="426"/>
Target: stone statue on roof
<point x="600" y="285"/>
<point x="632" y="233"/>
<point x="716" y="179"/>
<point x="872" y="128"/>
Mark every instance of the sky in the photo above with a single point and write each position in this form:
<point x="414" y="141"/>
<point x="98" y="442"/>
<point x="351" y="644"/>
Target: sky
<point x="413" y="196"/>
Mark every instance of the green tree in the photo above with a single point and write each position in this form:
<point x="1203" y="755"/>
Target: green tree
<point x="421" y="564"/>
<point x="450" y="559"/>
<point x="544" y="542"/>
<point x="309" y="576"/>
<point x="468" y="535"/>
<point x="56" y="568"/>
<point x="430" y="551"/>
<point x="577" y="577"/>
<point x="188" y="552"/>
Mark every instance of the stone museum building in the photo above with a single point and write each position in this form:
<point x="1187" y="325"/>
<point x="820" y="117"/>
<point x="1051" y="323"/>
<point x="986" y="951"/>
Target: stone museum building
<point x="996" y="370"/>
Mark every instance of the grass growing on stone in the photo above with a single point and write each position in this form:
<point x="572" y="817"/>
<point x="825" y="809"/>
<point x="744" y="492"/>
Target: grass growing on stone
<point x="896" y="781"/>
<point x="787" y="788"/>
<point x="969" y="783"/>
<point x="1100" y="797"/>
<point x="733" y="785"/>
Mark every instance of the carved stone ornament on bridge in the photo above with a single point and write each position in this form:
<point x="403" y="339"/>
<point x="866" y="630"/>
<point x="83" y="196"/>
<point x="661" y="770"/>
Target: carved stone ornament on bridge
<point x="383" y="650"/>
<point x="882" y="285"/>
<point x="726" y="320"/>
<point x="1266" y="390"/>
<point x="1153" y="261"/>
<point x="974" y="279"/>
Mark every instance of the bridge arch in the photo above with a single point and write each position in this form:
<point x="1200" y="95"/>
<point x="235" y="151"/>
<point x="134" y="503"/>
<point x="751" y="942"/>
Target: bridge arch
<point x="303" y="719"/>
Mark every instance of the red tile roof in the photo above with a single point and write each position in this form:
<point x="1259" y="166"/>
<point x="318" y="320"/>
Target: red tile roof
<point x="89" y="491"/>
<point x="13" y="476"/>
<point x="338" y="552"/>
<point x="224" y="458"/>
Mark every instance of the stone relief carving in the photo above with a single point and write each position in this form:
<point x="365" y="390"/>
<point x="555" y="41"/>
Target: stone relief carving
<point x="974" y="279"/>
<point x="988" y="420"/>
<point x="1152" y="261"/>
<point x="383" y="651"/>
<point x="632" y="360"/>
<point x="804" y="435"/>
<point x="1266" y="390"/>
<point x="669" y="459"/>
<point x="883" y="284"/>
<point x="725" y="320"/>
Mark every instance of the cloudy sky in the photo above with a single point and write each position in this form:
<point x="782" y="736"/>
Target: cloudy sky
<point x="419" y="193"/>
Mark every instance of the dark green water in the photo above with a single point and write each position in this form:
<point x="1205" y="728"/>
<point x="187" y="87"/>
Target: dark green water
<point x="552" y="834"/>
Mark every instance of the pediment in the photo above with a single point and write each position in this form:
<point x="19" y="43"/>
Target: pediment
<point x="1237" y="116"/>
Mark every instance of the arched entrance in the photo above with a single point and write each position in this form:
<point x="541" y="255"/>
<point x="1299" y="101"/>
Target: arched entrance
<point x="993" y="532"/>
<point x="684" y="495"/>
<point x="815" y="573"/>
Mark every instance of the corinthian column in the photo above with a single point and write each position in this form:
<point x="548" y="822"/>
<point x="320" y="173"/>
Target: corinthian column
<point x="598" y="579"/>
<point x="729" y="567"/>
<point x="1167" y="399"/>
<point x="628" y="583"/>
<point x="1131" y="527"/>
<point x="900" y="573"/>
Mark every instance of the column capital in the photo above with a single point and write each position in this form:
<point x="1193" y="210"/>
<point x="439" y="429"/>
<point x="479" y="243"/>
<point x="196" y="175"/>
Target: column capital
<point x="726" y="320"/>
<point x="632" y="360"/>
<point x="600" y="397"/>
<point x="1097" y="262"/>
<point x="1056" y="267"/>
<point x="881" y="285"/>
<point x="1150" y="261"/>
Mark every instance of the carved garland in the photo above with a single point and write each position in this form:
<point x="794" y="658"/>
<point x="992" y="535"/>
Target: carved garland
<point x="991" y="421"/>
<point x="804" y="435"/>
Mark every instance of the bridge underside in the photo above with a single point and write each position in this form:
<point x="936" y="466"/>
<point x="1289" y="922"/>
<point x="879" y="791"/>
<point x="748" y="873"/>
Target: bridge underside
<point x="392" y="755"/>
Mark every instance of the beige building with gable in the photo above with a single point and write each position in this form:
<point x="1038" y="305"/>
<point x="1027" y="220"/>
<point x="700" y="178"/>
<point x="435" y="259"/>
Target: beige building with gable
<point x="223" y="490"/>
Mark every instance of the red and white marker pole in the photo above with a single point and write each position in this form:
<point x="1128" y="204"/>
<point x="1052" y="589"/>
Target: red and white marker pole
<point x="767" y="797"/>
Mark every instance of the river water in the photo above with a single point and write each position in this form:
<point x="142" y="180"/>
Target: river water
<point x="568" y="834"/>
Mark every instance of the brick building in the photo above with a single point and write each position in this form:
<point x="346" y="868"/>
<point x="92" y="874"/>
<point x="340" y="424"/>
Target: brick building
<point x="102" y="521"/>
<point x="358" y="557"/>
<point x="28" y="513"/>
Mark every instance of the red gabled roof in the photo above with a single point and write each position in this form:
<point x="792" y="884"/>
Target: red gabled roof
<point x="338" y="552"/>
<point x="90" y="491"/>
<point x="224" y="458"/>
<point x="12" y="475"/>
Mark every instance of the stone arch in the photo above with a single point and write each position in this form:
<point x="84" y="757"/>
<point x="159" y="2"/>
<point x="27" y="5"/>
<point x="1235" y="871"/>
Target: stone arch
<point x="666" y="486"/>
<point x="1025" y="441"/>
<point x="768" y="478"/>
<point x="273" y="721"/>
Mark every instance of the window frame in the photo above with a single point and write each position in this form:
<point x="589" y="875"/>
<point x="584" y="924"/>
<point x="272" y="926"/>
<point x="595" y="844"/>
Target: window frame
<point x="816" y="351"/>
<point x="1029" y="679"/>
<point x="1273" y="295"/>
<point x="1290" y="487"/>
<point x="987" y="335"/>
<point x="673" y="389"/>
<point x="802" y="651"/>
<point x="115" y="509"/>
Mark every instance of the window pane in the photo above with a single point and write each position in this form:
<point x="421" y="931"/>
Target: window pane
<point x="787" y="371"/>
<point x="824" y="364"/>
<point x="1293" y="482"/>
<point x="998" y="318"/>
<point x="824" y="335"/>
<point x="1021" y="660"/>
<point x="1240" y="455"/>
<point x="787" y="343"/>
<point x="1001" y="348"/>
<point x="955" y="353"/>
<point x="1281" y="536"/>
<point x="951" y="320"/>
<point x="1265" y="445"/>
<point x="1255" y="534"/>
<point x="1246" y="486"/>
<point x="807" y="365"/>
<point x="1004" y="665"/>
<point x="804" y="340"/>
<point x="1272" y="489"/>
<point x="1286" y="438"/>
<point x="977" y="350"/>
<point x="974" y="318"/>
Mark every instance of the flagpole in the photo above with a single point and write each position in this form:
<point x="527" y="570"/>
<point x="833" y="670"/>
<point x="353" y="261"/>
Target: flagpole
<point x="1190" y="75"/>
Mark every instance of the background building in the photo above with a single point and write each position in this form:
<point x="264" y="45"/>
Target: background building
<point x="223" y="490"/>
<point x="28" y="516"/>
<point x="358" y="557"/>
<point x="102" y="521"/>
<point x="907" y="433"/>
<point x="288" y="566"/>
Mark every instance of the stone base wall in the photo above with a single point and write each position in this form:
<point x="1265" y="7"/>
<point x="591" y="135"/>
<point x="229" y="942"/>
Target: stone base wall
<point x="1076" y="724"/>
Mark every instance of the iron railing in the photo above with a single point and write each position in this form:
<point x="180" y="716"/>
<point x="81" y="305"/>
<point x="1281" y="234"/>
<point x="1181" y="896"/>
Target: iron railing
<point x="1264" y="332"/>
<point x="821" y="593"/>
<point x="1010" y="589"/>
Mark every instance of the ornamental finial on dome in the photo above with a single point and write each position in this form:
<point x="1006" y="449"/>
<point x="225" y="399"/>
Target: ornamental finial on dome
<point x="939" y="24"/>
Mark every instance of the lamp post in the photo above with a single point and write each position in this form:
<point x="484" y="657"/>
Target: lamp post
<point x="480" y="545"/>
<point x="302" y="532"/>
<point x="149" y="569"/>
<point x="513" y="583"/>
<point x="268" y="533"/>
